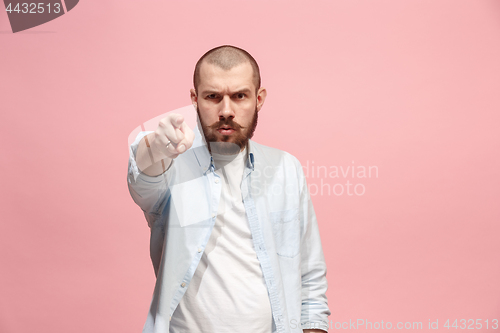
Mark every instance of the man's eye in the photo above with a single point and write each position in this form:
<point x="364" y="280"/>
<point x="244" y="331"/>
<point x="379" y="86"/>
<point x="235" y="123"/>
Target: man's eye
<point x="240" y="96"/>
<point x="211" y="96"/>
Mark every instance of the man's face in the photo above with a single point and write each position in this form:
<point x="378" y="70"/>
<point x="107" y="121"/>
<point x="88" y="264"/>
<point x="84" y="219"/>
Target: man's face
<point x="227" y="104"/>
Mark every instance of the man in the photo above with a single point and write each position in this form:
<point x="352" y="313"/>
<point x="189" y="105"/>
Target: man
<point x="234" y="237"/>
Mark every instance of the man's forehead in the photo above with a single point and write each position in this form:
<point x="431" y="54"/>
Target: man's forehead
<point x="215" y="77"/>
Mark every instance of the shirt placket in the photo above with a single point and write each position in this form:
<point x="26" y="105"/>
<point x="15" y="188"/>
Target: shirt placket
<point x="260" y="249"/>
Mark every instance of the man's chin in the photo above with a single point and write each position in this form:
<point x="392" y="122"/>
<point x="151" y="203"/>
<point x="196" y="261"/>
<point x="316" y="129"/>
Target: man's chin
<point x="224" y="147"/>
<point x="234" y="138"/>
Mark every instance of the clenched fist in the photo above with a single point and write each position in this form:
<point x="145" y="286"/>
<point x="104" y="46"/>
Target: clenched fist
<point x="171" y="138"/>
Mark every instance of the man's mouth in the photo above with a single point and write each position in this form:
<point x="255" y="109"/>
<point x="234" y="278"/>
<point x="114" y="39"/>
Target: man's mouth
<point x="225" y="130"/>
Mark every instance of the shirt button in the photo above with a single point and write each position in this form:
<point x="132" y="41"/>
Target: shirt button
<point x="183" y="284"/>
<point x="213" y="216"/>
<point x="199" y="249"/>
<point x="216" y="181"/>
<point x="170" y="317"/>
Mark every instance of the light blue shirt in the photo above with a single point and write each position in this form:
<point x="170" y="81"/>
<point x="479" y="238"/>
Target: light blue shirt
<point x="180" y="207"/>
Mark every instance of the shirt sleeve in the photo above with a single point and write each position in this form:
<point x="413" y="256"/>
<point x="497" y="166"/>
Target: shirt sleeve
<point x="315" y="311"/>
<point x="151" y="194"/>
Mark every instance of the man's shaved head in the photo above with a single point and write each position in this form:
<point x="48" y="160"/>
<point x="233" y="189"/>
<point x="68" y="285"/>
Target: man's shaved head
<point x="227" y="57"/>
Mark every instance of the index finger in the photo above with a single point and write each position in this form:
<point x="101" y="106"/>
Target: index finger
<point x="177" y="121"/>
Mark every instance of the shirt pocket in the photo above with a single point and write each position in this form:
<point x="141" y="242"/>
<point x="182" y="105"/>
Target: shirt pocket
<point x="286" y="229"/>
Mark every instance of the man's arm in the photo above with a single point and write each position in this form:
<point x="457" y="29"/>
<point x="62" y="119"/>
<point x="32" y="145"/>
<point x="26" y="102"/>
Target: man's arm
<point x="315" y="311"/>
<point x="150" y="157"/>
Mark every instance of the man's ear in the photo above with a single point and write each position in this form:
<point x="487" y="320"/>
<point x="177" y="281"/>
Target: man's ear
<point x="261" y="97"/>
<point x="194" y="98"/>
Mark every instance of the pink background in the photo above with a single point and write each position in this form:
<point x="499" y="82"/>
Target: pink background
<point x="410" y="87"/>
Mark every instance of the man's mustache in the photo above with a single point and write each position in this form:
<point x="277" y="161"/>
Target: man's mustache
<point x="227" y="122"/>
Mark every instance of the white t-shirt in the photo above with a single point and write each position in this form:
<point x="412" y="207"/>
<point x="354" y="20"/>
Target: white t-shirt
<point x="227" y="292"/>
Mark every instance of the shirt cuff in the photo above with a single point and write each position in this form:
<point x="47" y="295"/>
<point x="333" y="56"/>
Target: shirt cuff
<point x="133" y="169"/>
<point x="318" y="325"/>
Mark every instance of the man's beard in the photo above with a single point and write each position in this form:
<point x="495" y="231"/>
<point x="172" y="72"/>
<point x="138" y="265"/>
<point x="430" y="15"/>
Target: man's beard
<point x="228" y="144"/>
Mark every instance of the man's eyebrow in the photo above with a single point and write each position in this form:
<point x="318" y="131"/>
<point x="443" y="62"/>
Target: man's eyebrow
<point x="239" y="91"/>
<point x="209" y="92"/>
<point x="244" y="90"/>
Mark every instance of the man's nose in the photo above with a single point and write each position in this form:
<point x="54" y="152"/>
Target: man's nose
<point x="226" y="110"/>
